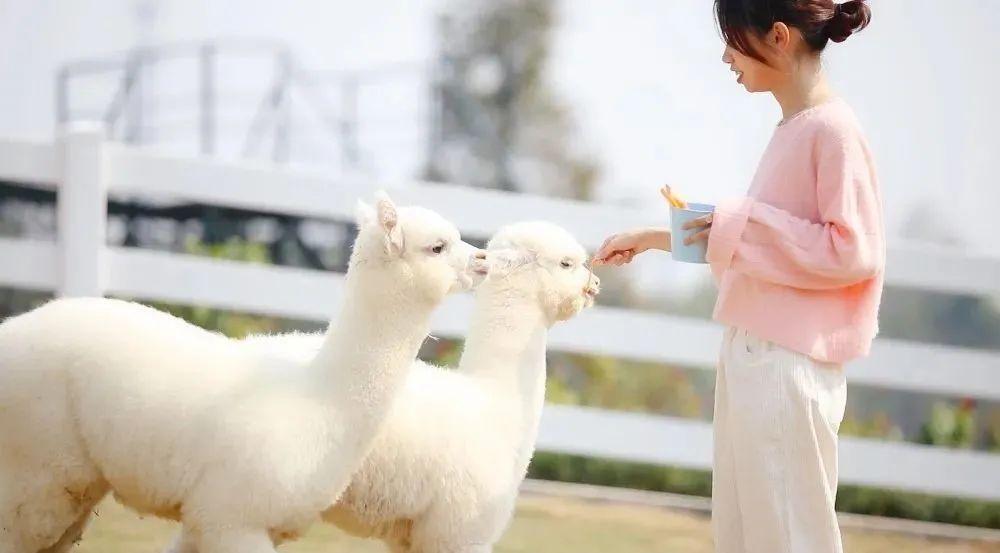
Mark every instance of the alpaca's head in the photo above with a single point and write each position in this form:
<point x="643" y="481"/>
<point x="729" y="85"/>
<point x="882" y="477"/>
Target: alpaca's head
<point x="547" y="262"/>
<point x="417" y="247"/>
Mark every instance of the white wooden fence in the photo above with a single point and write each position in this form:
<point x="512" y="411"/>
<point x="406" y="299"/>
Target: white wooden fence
<point x="85" y="170"/>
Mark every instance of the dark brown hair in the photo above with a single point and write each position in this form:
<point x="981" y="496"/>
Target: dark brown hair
<point x="819" y="21"/>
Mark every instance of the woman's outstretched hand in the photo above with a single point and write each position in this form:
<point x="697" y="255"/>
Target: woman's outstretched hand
<point x="619" y="249"/>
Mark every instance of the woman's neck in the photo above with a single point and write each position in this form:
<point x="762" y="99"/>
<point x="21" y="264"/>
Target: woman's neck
<point x="806" y="87"/>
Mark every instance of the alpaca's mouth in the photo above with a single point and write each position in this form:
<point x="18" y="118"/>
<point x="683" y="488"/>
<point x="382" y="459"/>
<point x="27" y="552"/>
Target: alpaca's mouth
<point x="476" y="274"/>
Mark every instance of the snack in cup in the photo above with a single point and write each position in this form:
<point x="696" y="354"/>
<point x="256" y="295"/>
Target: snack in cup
<point x="680" y="213"/>
<point x="673" y="198"/>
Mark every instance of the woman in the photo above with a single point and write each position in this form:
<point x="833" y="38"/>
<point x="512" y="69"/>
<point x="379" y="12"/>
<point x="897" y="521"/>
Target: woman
<point x="799" y="263"/>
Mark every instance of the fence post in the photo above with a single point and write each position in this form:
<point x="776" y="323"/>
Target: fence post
<point x="82" y="212"/>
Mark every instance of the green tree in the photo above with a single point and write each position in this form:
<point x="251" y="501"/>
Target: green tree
<point x="499" y="125"/>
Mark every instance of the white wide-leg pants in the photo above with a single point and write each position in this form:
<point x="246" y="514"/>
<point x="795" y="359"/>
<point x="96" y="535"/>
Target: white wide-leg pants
<point x="774" y="481"/>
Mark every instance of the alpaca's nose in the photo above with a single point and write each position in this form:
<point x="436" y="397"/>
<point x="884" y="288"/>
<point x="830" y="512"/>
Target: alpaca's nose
<point x="478" y="262"/>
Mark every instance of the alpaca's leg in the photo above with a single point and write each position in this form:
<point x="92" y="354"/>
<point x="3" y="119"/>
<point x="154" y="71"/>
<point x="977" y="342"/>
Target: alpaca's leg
<point x="71" y="536"/>
<point x="398" y="547"/>
<point x="10" y="541"/>
<point x="91" y="498"/>
<point x="184" y="542"/>
<point x="446" y="529"/>
<point x="447" y="548"/>
<point x="234" y="541"/>
<point x="452" y="543"/>
<point x="40" y="512"/>
<point x="38" y="524"/>
<point x="470" y="548"/>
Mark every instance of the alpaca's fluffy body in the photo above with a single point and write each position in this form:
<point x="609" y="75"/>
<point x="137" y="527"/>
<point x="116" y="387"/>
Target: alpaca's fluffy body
<point x="242" y="446"/>
<point x="444" y="472"/>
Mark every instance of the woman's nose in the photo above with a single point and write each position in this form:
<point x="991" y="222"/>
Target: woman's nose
<point x="726" y="56"/>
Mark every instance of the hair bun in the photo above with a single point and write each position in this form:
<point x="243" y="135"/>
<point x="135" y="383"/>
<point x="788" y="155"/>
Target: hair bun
<point x="848" y="18"/>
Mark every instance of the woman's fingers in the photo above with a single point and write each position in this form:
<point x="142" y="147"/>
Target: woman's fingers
<point x="621" y="257"/>
<point x="610" y="256"/>
<point x="605" y="251"/>
<point x="699" y="222"/>
<point x="614" y="259"/>
<point x="698" y="236"/>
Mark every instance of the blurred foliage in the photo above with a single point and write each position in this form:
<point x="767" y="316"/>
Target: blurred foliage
<point x="850" y="499"/>
<point x="925" y="316"/>
<point x="879" y="426"/>
<point x="501" y="124"/>
<point x="624" y="385"/>
<point x="993" y="431"/>
<point x="604" y="472"/>
<point x="443" y="352"/>
<point x="16" y="301"/>
<point x="234" y="325"/>
<point x="233" y="249"/>
<point x="890" y="503"/>
<point x="950" y="425"/>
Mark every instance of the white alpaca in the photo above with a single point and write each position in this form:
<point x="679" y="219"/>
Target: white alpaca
<point x="444" y="473"/>
<point x="241" y="446"/>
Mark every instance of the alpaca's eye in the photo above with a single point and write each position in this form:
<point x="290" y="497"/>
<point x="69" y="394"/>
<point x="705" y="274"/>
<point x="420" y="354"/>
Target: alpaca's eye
<point x="567" y="264"/>
<point x="438" y="249"/>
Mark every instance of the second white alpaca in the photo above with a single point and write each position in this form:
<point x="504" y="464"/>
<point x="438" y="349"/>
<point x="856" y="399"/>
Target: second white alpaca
<point x="444" y="473"/>
<point x="244" y="448"/>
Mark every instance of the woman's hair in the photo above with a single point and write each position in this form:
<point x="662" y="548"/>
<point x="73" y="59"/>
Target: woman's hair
<point x="819" y="21"/>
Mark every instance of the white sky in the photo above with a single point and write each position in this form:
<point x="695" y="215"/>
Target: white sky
<point x="652" y="99"/>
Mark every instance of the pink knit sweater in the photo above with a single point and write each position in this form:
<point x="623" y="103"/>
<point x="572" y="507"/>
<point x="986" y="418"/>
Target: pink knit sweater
<point x="800" y="260"/>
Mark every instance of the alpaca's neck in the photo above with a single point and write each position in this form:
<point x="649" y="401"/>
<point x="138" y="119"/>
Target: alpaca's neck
<point x="505" y="353"/>
<point x="371" y="344"/>
<point x="506" y="344"/>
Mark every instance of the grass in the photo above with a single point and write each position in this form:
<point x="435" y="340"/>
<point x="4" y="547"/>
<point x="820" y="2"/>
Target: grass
<point x="542" y="524"/>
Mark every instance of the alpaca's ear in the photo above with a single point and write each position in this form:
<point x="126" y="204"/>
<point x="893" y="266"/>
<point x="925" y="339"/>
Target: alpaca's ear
<point x="388" y="220"/>
<point x="364" y="214"/>
<point x="505" y="261"/>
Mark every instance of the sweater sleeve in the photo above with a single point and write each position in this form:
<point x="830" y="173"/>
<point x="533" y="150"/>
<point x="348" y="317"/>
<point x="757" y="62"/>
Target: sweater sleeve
<point x="844" y="247"/>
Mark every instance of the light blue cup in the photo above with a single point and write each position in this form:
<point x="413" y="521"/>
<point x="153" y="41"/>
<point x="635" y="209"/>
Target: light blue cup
<point x="695" y="253"/>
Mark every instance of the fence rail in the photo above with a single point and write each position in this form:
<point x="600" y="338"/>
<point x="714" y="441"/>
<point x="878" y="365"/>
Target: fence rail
<point x="84" y="170"/>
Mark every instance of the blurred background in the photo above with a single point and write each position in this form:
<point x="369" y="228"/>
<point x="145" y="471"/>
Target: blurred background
<point x="584" y="100"/>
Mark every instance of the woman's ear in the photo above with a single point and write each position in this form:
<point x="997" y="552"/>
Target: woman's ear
<point x="780" y="36"/>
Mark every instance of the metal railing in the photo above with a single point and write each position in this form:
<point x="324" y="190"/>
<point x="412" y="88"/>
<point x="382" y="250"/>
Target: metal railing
<point x="124" y="112"/>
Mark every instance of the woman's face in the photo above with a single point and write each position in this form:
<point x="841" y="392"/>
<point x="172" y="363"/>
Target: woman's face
<point x="753" y="74"/>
